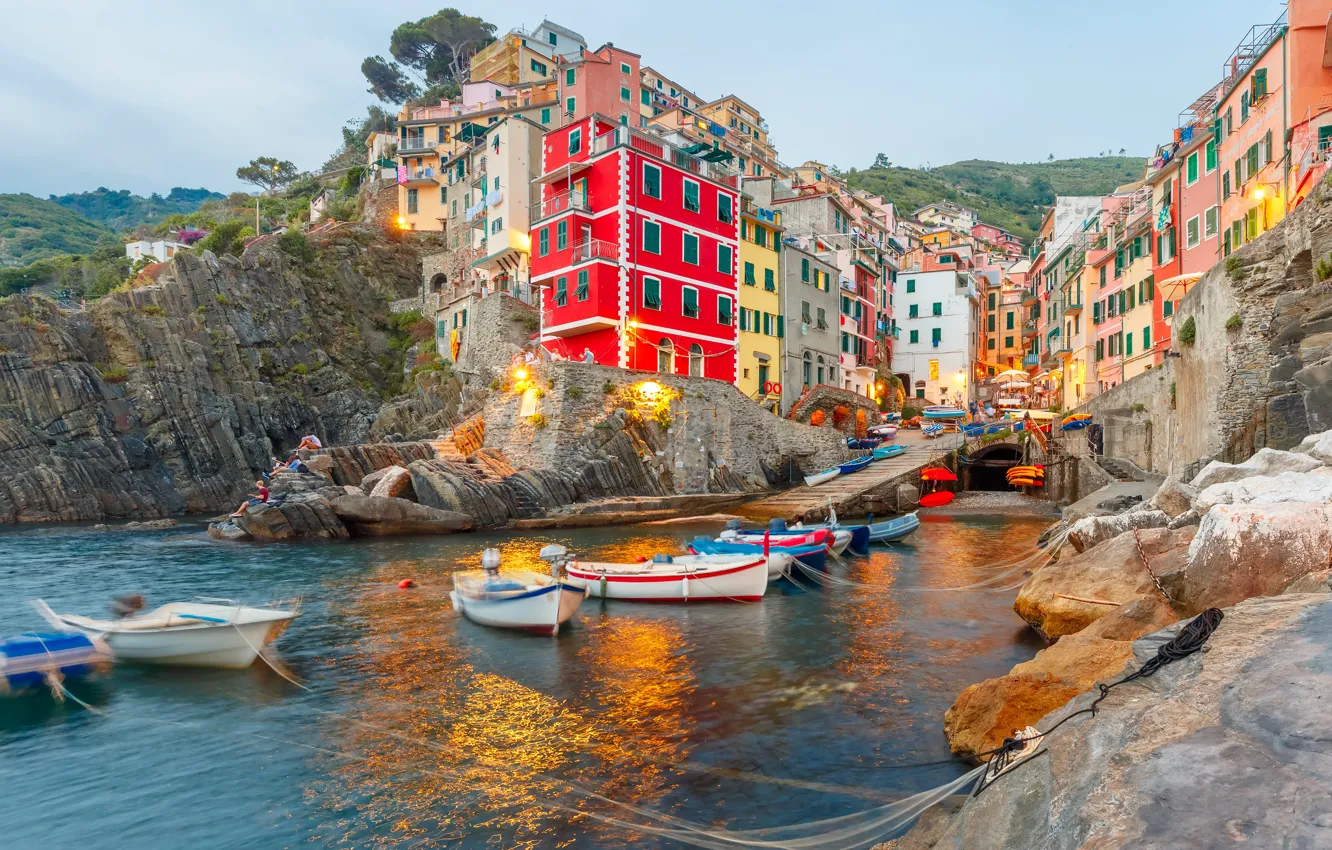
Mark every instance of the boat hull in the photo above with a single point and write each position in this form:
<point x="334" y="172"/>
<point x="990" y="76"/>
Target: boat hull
<point x="543" y="610"/>
<point x="894" y="529"/>
<point x="746" y="581"/>
<point x="886" y="452"/>
<point x="935" y="500"/>
<point x="821" y="477"/>
<point x="855" y="465"/>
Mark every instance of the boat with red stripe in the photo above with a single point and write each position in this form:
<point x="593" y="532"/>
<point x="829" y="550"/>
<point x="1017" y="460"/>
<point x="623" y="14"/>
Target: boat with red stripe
<point x="683" y="578"/>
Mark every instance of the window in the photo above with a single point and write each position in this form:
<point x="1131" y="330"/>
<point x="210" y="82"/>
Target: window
<point x="989" y="323"/>
<point x="543" y="241"/>
<point x="1008" y="321"/>
<point x="913" y="311"/>
<point x="915" y="336"/>
<point x="1210" y="156"/>
<point x="651" y="237"/>
<point x="569" y="104"/>
<point x="1128" y="343"/>
<point x="1100" y="349"/>
<point x="1211" y="220"/>
<point x="1251" y="160"/>
<point x="568" y="75"/>
<point x="645" y="97"/>
<point x="767" y="324"/>
<point x="911" y="285"/>
<point x="1225" y="185"/>
<point x="666" y="356"/>
<point x="1259" y="85"/>
<point x="761" y="236"/>
<point x="1008" y="342"/>
<point x="625" y="94"/>
<point x="725" y="213"/>
<point x="538" y="68"/>
<point x="690" y="310"/>
<point x="497" y="225"/>
<point x="651" y="180"/>
<point x="749" y="274"/>
<point x="804" y="313"/>
<point x="1146" y="337"/>
<point x="804" y="269"/>
<point x="575" y="140"/>
<point x="1167" y="309"/>
<point x="1191" y="169"/>
<point x="936" y="335"/>
<point x="625" y="69"/>
<point x="443" y="196"/>
<point x="562" y="235"/>
<point x="561" y="291"/>
<point x="651" y="293"/>
<point x="1244" y="107"/>
<point x="1325" y="139"/>
<point x="691" y="195"/>
<point x="769" y="281"/>
<point x="1192" y="232"/>
<point x="937" y="309"/>
<point x="725" y="259"/>
<point x="690" y="243"/>
<point x="411" y="202"/>
<point x="991" y="301"/>
<point x="581" y="292"/>
<point x="725" y="307"/>
<point x="989" y="343"/>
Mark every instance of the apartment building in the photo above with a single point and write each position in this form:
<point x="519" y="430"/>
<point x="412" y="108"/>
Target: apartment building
<point x="812" y="302"/>
<point x="762" y="320"/>
<point x="941" y="325"/>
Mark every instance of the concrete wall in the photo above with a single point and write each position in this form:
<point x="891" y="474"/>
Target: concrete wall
<point x="1137" y="420"/>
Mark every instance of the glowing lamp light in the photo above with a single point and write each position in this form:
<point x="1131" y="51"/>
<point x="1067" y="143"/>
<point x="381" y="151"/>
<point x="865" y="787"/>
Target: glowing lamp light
<point x="649" y="389"/>
<point x="1258" y="194"/>
<point x="961" y="376"/>
<point x="633" y="323"/>
<point x="520" y="374"/>
<point x="402" y="222"/>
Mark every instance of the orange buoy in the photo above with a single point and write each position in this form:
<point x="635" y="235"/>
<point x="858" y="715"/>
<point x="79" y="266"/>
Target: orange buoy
<point x="641" y="559"/>
<point x="406" y="583"/>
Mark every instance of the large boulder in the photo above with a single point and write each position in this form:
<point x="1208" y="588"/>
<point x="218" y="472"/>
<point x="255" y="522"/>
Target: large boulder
<point x="295" y="516"/>
<point x="1173" y="497"/>
<point x="1242" y="551"/>
<point x="1053" y="600"/>
<point x="285" y="483"/>
<point x="395" y="482"/>
<point x="1093" y="530"/>
<point x="1264" y="462"/>
<point x="1225" y="748"/>
<point x="374" y="516"/>
<point x="987" y="712"/>
<point x="1318" y="446"/>
<point x="1313" y="486"/>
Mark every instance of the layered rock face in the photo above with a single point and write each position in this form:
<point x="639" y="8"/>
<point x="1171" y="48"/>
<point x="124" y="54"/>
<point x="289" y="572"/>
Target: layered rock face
<point x="173" y="397"/>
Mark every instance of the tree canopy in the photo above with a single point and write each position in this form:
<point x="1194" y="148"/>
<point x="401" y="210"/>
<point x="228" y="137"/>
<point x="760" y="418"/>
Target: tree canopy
<point x="268" y="173"/>
<point x="436" y="50"/>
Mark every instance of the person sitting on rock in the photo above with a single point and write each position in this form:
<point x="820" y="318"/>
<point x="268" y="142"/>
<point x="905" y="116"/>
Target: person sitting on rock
<point x="257" y="498"/>
<point x="309" y="441"/>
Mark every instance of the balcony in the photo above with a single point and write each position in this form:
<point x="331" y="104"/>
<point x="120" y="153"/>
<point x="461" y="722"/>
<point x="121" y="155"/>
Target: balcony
<point x="420" y="175"/>
<point x="561" y="203"/>
<point x="594" y="249"/>
<point x="661" y="149"/>
<point x="1073" y="307"/>
<point x="1031" y="360"/>
<point x="1030" y="296"/>
<point x="1030" y="328"/>
<point x="415" y="145"/>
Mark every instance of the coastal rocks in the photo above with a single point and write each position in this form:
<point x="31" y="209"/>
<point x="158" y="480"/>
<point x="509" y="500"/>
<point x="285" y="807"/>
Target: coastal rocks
<point x="146" y="525"/>
<point x="1224" y="748"/>
<point x="1264" y="462"/>
<point x="455" y="486"/>
<point x="1090" y="531"/>
<point x="395" y="482"/>
<point x="296" y="516"/>
<point x="987" y="712"/>
<point x="298" y="482"/>
<point x="1318" y="446"/>
<point x="351" y="464"/>
<point x="1051" y="600"/>
<point x="1242" y="551"/>
<point x="1173" y="497"/>
<point x="1313" y="486"/>
<point x="377" y="516"/>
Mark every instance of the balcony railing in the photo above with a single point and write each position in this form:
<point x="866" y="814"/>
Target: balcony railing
<point x="662" y="149"/>
<point x="595" y="249"/>
<point x="1030" y="328"/>
<point x="1030" y="360"/>
<point x="1073" y="307"/>
<point x="563" y="202"/>
<point x="415" y="144"/>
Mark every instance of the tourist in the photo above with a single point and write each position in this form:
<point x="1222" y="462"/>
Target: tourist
<point x="309" y="441"/>
<point x="529" y="357"/>
<point x="256" y="498"/>
<point x="588" y="356"/>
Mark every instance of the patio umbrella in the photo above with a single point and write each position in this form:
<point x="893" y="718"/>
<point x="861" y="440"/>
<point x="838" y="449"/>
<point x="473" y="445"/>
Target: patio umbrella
<point x="1013" y="373"/>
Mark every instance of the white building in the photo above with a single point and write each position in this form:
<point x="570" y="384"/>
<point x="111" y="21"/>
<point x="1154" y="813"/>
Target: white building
<point x="937" y="308"/>
<point x="947" y="215"/>
<point x="162" y="249"/>
<point x="559" y="41"/>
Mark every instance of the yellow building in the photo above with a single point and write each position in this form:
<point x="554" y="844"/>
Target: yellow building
<point x="762" y="323"/>
<point x="938" y="237"/>
<point x="520" y="56"/>
<point x="1139" y="293"/>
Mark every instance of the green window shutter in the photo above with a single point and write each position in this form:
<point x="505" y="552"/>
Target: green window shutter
<point x="781" y="327"/>
<point x="767" y="324"/>
<point x="1210" y="155"/>
<point x="543" y="242"/>
<point x="804" y="269"/>
<point x="646" y="97"/>
<point x="1325" y="138"/>
<point x="561" y="235"/>
<point x="561" y="291"/>
<point x="991" y="302"/>
<point x="915" y="336"/>
<point x="911" y="286"/>
<point x="749" y="273"/>
<point x="625" y="94"/>
<point x="575" y="140"/>
<point x="1225" y="185"/>
<point x="569" y="105"/>
<point x="652" y="293"/>
<point x="691" y="196"/>
<point x="1191" y="169"/>
<point x="691" y="249"/>
<point x="723" y="310"/>
<point x="724" y="264"/>
<point x="937" y="309"/>
<point x="1260" y="83"/>
<point x="744" y="319"/>
<point x="1146" y="337"/>
<point x="690" y="303"/>
<point x="569" y="77"/>
<point x="1167" y="309"/>
<point x="1008" y="342"/>
<point x="989" y="344"/>
<point x="581" y="293"/>
<point x="913" y="311"/>
<point x="761" y="236"/>
<point x="651" y="237"/>
<point x="768" y="281"/>
<point x="1128" y="343"/>
<point x="989" y="323"/>
<point x="936" y="335"/>
<point x="724" y="208"/>
<point x="1267" y="147"/>
<point x="651" y="180"/>
<point x="1009" y="321"/>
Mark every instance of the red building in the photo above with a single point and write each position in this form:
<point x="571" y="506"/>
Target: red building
<point x="635" y="244"/>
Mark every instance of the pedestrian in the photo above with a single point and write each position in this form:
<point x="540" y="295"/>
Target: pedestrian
<point x="309" y="441"/>
<point x="256" y="498"/>
<point x="588" y="356"/>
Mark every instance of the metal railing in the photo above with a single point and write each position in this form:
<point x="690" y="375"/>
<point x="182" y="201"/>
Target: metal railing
<point x="661" y="149"/>
<point x="563" y="202"/>
<point x="594" y="249"/>
<point x="415" y="144"/>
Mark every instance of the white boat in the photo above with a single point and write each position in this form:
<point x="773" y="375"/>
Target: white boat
<point x="191" y="634"/>
<point x="819" y="477"/>
<point x="685" y="578"/>
<point x="517" y="599"/>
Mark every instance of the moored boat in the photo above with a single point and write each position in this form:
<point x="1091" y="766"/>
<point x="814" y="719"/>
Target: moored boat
<point x="886" y="452"/>
<point x="820" y="477"/>
<point x="885" y="432"/>
<point x="191" y="634"/>
<point x="893" y="529"/>
<point x="667" y="578"/>
<point x="932" y="429"/>
<point x="855" y="465"/>
<point x="940" y="411"/>
<point x="517" y="599"/>
<point x="34" y="659"/>
<point x="813" y="556"/>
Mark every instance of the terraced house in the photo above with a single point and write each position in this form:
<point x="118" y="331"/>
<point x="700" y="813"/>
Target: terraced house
<point x="762" y="319"/>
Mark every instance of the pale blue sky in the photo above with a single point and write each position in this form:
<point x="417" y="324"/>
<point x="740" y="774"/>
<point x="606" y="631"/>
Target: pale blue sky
<point x="147" y="95"/>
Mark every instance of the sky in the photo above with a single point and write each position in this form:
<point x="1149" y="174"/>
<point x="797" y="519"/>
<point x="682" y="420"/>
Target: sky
<point x="145" y="95"/>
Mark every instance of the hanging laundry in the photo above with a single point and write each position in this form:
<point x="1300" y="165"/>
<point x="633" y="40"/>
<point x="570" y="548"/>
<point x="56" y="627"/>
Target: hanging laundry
<point x="402" y="174"/>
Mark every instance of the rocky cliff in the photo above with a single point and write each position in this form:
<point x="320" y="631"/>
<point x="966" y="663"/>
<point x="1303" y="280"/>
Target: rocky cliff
<point x="171" y="397"/>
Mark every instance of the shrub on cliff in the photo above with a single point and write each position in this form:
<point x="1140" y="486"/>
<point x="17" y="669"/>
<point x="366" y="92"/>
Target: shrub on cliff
<point x="1188" y="332"/>
<point x="296" y="246"/>
<point x="227" y="238"/>
<point x="862" y="424"/>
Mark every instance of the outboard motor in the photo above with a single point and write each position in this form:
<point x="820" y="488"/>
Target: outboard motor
<point x="777" y="525"/>
<point x="490" y="562"/>
<point x="557" y="556"/>
<point x="733" y="524"/>
<point x="661" y="558"/>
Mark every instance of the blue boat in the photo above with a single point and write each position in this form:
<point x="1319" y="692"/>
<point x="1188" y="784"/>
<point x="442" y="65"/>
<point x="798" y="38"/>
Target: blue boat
<point x="27" y="660"/>
<point x="893" y="529"/>
<point x="885" y="452"/>
<point x="814" y="557"/>
<point x="855" y="465"/>
<point x="860" y="540"/>
<point x="866" y="443"/>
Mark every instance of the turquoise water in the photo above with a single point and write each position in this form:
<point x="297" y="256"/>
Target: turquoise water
<point x="424" y="730"/>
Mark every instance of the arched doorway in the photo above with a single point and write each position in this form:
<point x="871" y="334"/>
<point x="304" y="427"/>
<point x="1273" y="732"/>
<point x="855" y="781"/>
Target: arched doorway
<point x="666" y="357"/>
<point x="807" y="367"/>
<point x="988" y="467"/>
<point x="696" y="360"/>
<point x="437" y="283"/>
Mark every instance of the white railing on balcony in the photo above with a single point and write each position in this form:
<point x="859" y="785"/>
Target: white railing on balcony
<point x="661" y="149"/>
<point x="595" y="249"/>
<point x="415" y="143"/>
<point x="563" y="202"/>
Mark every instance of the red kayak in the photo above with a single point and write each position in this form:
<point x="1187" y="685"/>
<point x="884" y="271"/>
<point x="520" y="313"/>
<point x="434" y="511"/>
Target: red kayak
<point x="934" y="500"/>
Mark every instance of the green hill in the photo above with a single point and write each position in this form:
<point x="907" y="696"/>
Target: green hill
<point x="32" y="229"/>
<point x="1013" y="196"/>
<point x="124" y="211"/>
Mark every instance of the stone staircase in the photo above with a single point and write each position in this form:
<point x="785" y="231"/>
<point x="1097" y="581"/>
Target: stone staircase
<point x="1122" y="469"/>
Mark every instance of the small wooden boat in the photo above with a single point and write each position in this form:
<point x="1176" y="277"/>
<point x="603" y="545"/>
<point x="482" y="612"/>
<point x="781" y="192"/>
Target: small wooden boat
<point x="936" y="499"/>
<point x="940" y="411"/>
<point x="885" y="452"/>
<point x="192" y="634"/>
<point x="836" y="538"/>
<point x="1073" y="418"/>
<point x="932" y="429"/>
<point x="820" y="477"/>
<point x="883" y="432"/>
<point x="855" y="465"/>
<point x="893" y="529"/>
<point x="864" y="443"/>
<point x="33" y="659"/>
<point x="517" y="599"/>
<point x="666" y="578"/>
<point x="814" y="557"/>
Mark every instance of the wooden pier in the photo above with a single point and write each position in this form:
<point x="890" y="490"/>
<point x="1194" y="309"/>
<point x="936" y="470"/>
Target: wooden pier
<point x="850" y="494"/>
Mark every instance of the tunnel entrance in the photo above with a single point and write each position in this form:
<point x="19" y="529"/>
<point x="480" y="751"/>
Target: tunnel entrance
<point x="989" y="467"/>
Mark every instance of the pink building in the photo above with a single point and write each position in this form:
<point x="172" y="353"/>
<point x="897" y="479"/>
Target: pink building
<point x="601" y="82"/>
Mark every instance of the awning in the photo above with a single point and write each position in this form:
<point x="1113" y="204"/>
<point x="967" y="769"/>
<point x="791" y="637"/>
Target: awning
<point x="1175" y="288"/>
<point x="506" y="259"/>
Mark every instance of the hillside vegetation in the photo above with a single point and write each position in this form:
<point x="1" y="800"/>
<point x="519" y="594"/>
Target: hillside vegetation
<point x="121" y="210"/>
<point x="32" y="229"/>
<point x="1013" y="196"/>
